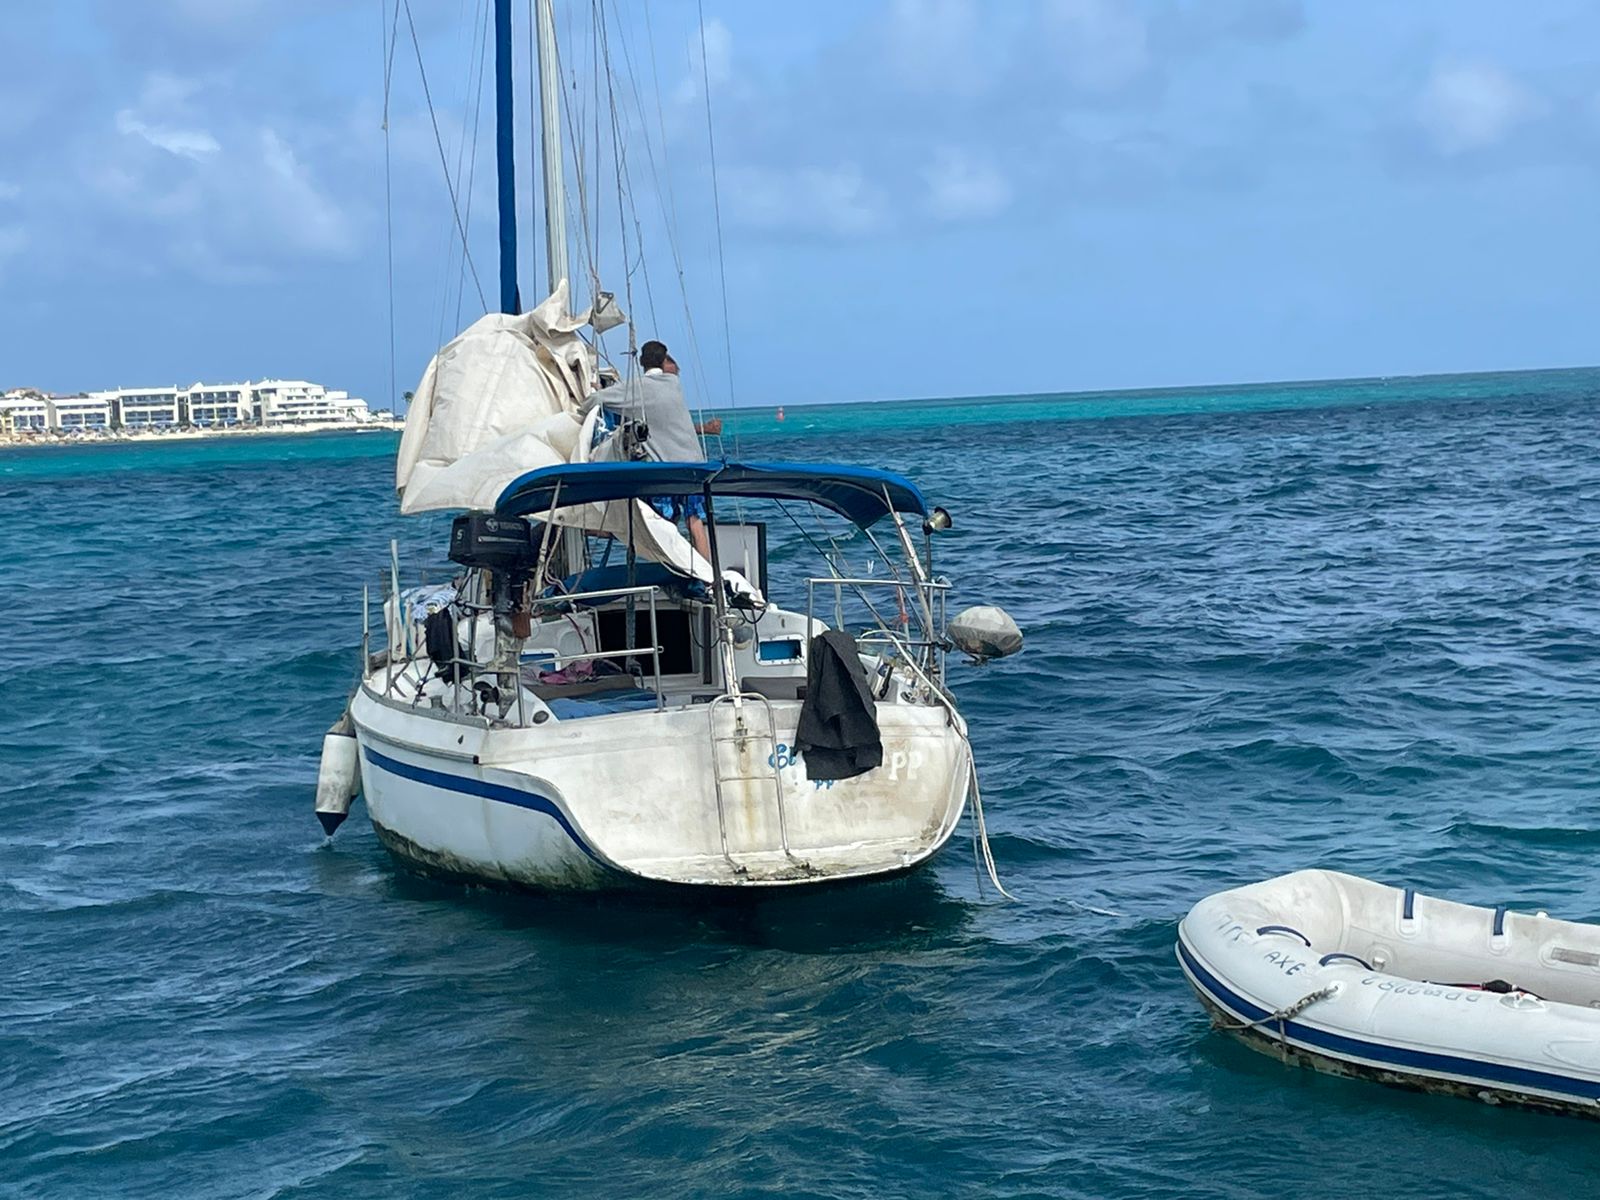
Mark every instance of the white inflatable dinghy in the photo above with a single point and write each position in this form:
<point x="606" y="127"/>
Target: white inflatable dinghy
<point x="1356" y="978"/>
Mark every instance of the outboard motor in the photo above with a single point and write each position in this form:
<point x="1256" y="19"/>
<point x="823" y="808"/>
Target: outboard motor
<point x="503" y="546"/>
<point x="500" y="544"/>
<point x="506" y="549"/>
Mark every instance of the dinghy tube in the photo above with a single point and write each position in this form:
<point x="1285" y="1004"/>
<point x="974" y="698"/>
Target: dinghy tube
<point x="1356" y="978"/>
<point x="339" y="776"/>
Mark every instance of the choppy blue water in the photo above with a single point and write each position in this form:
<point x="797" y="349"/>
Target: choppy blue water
<point x="1355" y="625"/>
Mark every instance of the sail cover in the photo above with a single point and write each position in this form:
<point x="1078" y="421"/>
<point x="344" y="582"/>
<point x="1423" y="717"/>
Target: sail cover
<point x="507" y="397"/>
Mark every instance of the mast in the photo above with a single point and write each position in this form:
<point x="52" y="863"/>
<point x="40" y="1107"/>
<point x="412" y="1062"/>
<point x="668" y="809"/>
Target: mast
<point x="505" y="162"/>
<point x="555" y="205"/>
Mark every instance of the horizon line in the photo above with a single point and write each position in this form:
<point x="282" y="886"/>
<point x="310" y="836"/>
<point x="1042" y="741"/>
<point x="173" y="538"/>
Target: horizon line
<point x="1153" y="389"/>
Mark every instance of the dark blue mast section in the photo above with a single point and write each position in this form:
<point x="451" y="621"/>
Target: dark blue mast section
<point x="510" y="302"/>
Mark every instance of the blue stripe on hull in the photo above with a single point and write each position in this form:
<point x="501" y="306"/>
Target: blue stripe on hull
<point x="484" y="791"/>
<point x="1411" y="1061"/>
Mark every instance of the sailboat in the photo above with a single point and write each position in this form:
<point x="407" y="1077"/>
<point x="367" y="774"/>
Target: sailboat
<point x="591" y="702"/>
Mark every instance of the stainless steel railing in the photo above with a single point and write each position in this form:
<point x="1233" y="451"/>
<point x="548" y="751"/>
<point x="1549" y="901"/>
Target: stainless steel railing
<point x="654" y="650"/>
<point x="933" y="594"/>
<point x="468" y="672"/>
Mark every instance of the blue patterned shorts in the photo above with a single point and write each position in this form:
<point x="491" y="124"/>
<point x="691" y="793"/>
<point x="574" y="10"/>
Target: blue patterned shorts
<point x="675" y="508"/>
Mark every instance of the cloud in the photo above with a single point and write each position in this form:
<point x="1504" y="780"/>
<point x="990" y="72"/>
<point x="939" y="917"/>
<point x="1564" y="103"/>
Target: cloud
<point x="1472" y="106"/>
<point x="13" y="241"/>
<point x="1260" y="21"/>
<point x="934" y="46"/>
<point x="237" y="203"/>
<point x="961" y="187"/>
<point x="1102" y="46"/>
<point x="196" y="144"/>
<point x="838" y="201"/>
<point x="1267" y="20"/>
<point x="715" y="63"/>
<point x="164" y="102"/>
<point x="308" y="217"/>
<point x="157" y="30"/>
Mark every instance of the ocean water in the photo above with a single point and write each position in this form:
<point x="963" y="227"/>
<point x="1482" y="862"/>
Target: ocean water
<point x="1353" y="625"/>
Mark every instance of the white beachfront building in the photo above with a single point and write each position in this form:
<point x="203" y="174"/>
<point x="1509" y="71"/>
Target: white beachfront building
<point x="297" y="402"/>
<point x="270" y="403"/>
<point x="207" y="405"/>
<point x="79" y="412"/>
<point x="24" y="411"/>
<point x="143" y="408"/>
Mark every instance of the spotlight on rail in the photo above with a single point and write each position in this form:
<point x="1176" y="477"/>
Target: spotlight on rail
<point x="937" y="520"/>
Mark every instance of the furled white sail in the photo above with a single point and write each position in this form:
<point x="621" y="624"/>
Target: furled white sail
<point x="502" y="398"/>
<point x="506" y="397"/>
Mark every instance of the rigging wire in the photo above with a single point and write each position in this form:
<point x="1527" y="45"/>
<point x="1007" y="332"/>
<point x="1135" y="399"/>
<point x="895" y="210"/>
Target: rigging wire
<point x="535" y="130"/>
<point x="575" y="134"/>
<point x="442" y="292"/>
<point x="716" y="201"/>
<point x="627" y="175"/>
<point x="670" y="215"/>
<point x="472" y="161"/>
<point x="439" y="288"/>
<point x="443" y="160"/>
<point x="594" y="76"/>
<point x="619" y="161"/>
<point x="391" y="33"/>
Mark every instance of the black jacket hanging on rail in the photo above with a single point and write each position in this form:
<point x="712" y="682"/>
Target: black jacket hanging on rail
<point x="838" y="731"/>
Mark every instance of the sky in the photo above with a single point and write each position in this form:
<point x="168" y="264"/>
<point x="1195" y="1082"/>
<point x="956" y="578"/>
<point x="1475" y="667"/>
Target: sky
<point x="915" y="198"/>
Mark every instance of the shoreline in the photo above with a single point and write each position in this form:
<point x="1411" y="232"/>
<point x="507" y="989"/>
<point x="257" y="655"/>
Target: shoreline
<point x="121" y="437"/>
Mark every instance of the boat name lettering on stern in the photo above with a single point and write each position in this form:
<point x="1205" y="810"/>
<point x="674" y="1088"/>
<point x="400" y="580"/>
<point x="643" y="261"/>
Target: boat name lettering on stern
<point x="1229" y="928"/>
<point x="1403" y="988"/>
<point x="785" y="757"/>
<point x="904" y="760"/>
<point x="1289" y="966"/>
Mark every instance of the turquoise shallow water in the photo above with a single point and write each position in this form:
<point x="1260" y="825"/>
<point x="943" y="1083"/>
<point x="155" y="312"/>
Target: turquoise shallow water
<point x="1355" y="625"/>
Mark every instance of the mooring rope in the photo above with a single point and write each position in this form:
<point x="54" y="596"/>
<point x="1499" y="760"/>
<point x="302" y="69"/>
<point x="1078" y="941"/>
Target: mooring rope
<point x="982" y="855"/>
<point x="1283" y="1015"/>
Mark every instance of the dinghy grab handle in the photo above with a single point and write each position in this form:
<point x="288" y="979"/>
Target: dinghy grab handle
<point x="1289" y="929"/>
<point x="1340" y="955"/>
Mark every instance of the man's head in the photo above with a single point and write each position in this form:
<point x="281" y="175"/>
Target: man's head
<point x="653" y="356"/>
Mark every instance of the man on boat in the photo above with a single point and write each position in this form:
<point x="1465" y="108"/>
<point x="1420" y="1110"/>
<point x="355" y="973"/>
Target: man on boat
<point x="655" y="401"/>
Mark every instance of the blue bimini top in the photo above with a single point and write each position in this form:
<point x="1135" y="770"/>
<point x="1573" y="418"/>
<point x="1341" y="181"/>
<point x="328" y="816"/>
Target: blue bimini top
<point x="863" y="495"/>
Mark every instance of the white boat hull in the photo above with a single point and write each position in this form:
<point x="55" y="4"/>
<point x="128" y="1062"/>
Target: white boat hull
<point x="629" y="798"/>
<point x="1360" y="979"/>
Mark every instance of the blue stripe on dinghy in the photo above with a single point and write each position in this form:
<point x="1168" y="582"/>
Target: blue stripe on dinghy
<point x="482" y="789"/>
<point x="1499" y="920"/>
<point x="1394" y="1056"/>
<point x="1410" y="904"/>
